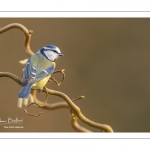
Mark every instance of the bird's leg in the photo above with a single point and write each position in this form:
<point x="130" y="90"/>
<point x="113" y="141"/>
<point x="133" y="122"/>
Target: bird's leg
<point x="39" y="90"/>
<point x="58" y="71"/>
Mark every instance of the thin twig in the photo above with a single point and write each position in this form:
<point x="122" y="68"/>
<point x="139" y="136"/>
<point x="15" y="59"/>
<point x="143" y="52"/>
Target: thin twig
<point x="53" y="79"/>
<point x="25" y="110"/>
<point x="63" y="78"/>
<point x="80" y="97"/>
<point x="40" y="105"/>
<point x="25" y="31"/>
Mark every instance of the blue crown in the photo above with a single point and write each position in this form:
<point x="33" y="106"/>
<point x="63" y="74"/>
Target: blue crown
<point x="50" y="46"/>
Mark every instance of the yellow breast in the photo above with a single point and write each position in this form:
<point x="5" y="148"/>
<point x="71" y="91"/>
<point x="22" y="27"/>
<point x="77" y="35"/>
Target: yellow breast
<point x="40" y="62"/>
<point x="41" y="83"/>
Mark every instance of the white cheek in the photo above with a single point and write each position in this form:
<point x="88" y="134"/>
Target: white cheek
<point x="52" y="56"/>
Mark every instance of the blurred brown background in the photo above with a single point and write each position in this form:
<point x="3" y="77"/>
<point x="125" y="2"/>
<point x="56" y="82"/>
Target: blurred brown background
<point x="106" y="60"/>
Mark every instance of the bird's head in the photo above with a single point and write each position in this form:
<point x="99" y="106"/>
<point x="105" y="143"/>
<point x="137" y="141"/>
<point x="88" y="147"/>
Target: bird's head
<point x="51" y="52"/>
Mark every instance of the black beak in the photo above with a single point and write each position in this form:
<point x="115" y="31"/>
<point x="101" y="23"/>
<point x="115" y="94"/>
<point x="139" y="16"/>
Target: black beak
<point x="61" y="54"/>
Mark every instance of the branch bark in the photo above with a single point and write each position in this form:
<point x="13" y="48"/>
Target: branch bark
<point x="26" y="32"/>
<point x="71" y="105"/>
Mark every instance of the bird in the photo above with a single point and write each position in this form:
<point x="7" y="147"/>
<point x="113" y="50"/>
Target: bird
<point x="38" y="69"/>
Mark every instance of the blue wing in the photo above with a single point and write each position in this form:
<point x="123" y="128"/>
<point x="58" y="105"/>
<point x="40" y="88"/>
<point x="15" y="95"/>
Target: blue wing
<point x="32" y="74"/>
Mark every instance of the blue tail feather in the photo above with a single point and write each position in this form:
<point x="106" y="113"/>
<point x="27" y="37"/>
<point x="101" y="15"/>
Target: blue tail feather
<point x="24" y="92"/>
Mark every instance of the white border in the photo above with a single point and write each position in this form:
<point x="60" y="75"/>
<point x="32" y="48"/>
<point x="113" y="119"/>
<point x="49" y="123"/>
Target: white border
<point x="74" y="14"/>
<point x="75" y="5"/>
<point x="65" y="135"/>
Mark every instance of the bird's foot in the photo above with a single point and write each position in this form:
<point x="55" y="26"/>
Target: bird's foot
<point x="39" y="90"/>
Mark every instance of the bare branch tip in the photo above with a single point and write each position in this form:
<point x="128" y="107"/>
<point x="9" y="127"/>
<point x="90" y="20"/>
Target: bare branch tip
<point x="23" y="62"/>
<point x="82" y="97"/>
<point x="30" y="31"/>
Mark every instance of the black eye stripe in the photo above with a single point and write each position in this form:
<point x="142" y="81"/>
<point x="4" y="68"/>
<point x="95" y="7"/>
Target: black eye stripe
<point x="55" y="51"/>
<point x="51" y="50"/>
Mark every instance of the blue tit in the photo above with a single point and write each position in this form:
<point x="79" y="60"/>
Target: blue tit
<point x="38" y="69"/>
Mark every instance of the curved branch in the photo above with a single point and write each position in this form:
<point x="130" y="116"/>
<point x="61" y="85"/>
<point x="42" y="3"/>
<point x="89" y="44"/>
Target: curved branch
<point x="75" y="108"/>
<point x="47" y="105"/>
<point x="74" y="120"/>
<point x="11" y="76"/>
<point x="76" y="126"/>
<point x="25" y="110"/>
<point x="78" y="113"/>
<point x="25" y="31"/>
